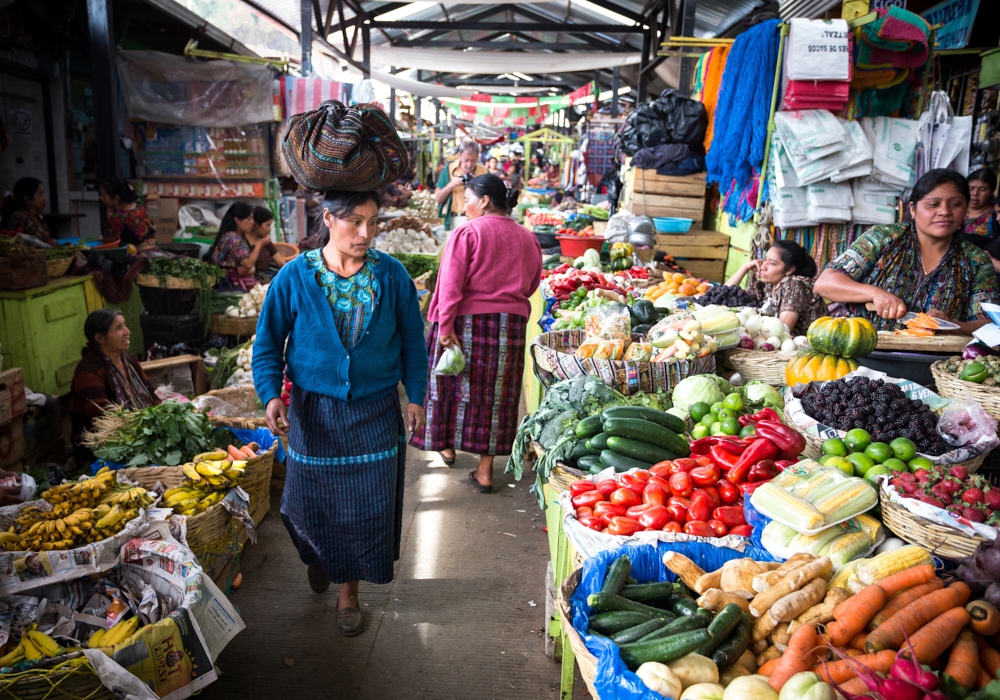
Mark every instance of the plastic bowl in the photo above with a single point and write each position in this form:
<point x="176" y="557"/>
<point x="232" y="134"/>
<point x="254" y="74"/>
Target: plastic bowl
<point x="575" y="246"/>
<point x="669" y="224"/>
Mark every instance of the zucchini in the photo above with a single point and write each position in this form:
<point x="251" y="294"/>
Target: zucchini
<point x="552" y="259"/>
<point x="621" y="463"/>
<point x="725" y="622"/>
<point x="634" y="634"/>
<point x="667" y="420"/>
<point x="603" y="602"/>
<point x="598" y="442"/>
<point x="588" y="462"/>
<point x="649" y="432"/>
<point x="730" y="651"/>
<point x="617" y="620"/>
<point x="588" y="427"/>
<point x="639" y="451"/>
<point x="681" y="624"/>
<point x="617" y="573"/>
<point x="659" y="592"/>
<point x="663" y="650"/>
<point x="680" y="605"/>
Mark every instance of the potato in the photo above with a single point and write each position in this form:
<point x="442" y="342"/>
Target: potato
<point x="693" y="668"/>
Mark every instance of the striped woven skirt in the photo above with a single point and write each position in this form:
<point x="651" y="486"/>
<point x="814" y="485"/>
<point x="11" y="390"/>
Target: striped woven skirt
<point x="343" y="498"/>
<point x="476" y="411"/>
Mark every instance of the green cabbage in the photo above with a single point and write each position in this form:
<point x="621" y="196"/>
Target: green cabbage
<point x="757" y="395"/>
<point x="707" y="388"/>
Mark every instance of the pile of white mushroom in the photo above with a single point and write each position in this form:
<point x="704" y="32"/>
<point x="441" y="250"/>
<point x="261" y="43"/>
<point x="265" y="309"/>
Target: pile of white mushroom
<point x="244" y="363"/>
<point x="250" y="303"/>
<point x="406" y="240"/>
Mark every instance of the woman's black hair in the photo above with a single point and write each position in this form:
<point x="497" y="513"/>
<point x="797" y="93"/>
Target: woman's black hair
<point x="98" y="323"/>
<point x="795" y="256"/>
<point x="25" y="188"/>
<point x="341" y="203"/>
<point x="493" y="187"/>
<point x="936" y="177"/>
<point x="238" y="210"/>
<point x="116" y="187"/>
<point x="985" y="175"/>
<point x="261" y="215"/>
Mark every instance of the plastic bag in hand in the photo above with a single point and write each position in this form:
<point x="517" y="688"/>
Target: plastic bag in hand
<point x="964" y="423"/>
<point x="451" y="362"/>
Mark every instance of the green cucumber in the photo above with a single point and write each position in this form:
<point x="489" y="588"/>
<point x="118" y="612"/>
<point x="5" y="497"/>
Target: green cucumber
<point x="680" y="605"/>
<point x="663" y="650"/>
<point x="648" y="432"/>
<point x="725" y="622"/>
<point x="659" y="592"/>
<point x="681" y="624"/>
<point x="730" y="651"/>
<point x="588" y="427"/>
<point x="617" y="620"/>
<point x="667" y="420"/>
<point x="589" y="462"/>
<point x="634" y="634"/>
<point x="598" y="442"/>
<point x="579" y="450"/>
<point x="617" y="573"/>
<point x="640" y="451"/>
<point x="603" y="602"/>
<point x="621" y="463"/>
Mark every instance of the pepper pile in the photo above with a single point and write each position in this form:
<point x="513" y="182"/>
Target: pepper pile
<point x="564" y="280"/>
<point x="755" y="459"/>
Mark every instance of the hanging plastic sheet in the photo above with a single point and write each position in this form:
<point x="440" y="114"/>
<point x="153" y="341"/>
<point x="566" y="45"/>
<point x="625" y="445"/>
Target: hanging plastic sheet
<point x="161" y="87"/>
<point x="613" y="681"/>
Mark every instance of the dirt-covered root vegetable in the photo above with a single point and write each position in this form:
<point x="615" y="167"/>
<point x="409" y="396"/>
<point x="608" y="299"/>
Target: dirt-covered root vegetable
<point x="771" y="652"/>
<point x="822" y="613"/>
<point x="738" y="576"/>
<point x="985" y="617"/>
<point x="796" y="603"/>
<point x="792" y="582"/>
<point x="712" y="579"/>
<point x="685" y="569"/>
<point x="762" y="627"/>
<point x="715" y="599"/>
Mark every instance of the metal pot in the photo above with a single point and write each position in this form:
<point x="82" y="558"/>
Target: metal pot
<point x="642" y="239"/>
<point x="641" y="224"/>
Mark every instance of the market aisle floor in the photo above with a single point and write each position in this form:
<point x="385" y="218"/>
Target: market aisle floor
<point x="461" y="621"/>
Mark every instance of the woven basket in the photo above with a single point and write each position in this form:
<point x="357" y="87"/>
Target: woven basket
<point x="171" y="282"/>
<point x="75" y="683"/>
<point x="951" y="386"/>
<point x="58" y="267"/>
<point x="586" y="661"/>
<point x="944" y="541"/>
<point x="234" y="325"/>
<point x="759" y="365"/>
<point x="244" y="398"/>
<point x="256" y="482"/>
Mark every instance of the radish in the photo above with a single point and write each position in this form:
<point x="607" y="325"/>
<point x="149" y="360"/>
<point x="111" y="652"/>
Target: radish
<point x="906" y="669"/>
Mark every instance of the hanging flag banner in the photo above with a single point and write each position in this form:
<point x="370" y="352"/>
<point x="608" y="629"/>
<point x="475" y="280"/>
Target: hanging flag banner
<point x="505" y="110"/>
<point x="956" y="18"/>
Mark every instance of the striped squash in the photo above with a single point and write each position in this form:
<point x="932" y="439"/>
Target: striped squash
<point x="809" y="365"/>
<point x="845" y="337"/>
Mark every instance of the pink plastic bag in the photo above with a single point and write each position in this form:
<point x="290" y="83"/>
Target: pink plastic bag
<point x="964" y="424"/>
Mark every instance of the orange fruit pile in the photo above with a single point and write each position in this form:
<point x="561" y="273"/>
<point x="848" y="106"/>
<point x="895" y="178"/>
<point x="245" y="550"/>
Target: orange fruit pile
<point x="677" y="284"/>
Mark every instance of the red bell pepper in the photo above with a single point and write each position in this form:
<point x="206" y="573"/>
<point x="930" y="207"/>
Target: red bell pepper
<point x="765" y="414"/>
<point x="654" y="495"/>
<point x="741" y="530"/>
<point x="677" y="512"/>
<point x="625" y="497"/>
<point x="609" y="509"/>
<point x="684" y="503"/>
<point x="624" y="526"/>
<point x="705" y="476"/>
<point x="636" y="511"/>
<point x="783" y="464"/>
<point x="593" y="523"/>
<point x="726" y="460"/>
<point x="730" y="515"/>
<point x="662" y="469"/>
<point x="630" y="482"/>
<point x="672" y="526"/>
<point x="587" y="498"/>
<point x="584" y="510"/>
<point x="718" y="527"/>
<point x="764" y="470"/>
<point x="762" y="448"/>
<point x="607" y="487"/>
<point x="661" y="482"/>
<point x="701" y="508"/>
<point x="745" y="420"/>
<point x="748" y="488"/>
<point x="727" y="491"/>
<point x="702" y="446"/>
<point x="711" y="492"/>
<point x="681" y="485"/>
<point x="699" y="528"/>
<point x="654" y="518"/>
<point x="788" y="440"/>
<point x="578" y="487"/>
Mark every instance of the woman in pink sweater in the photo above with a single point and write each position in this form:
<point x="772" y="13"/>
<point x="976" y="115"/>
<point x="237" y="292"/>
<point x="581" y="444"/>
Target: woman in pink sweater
<point x="491" y="265"/>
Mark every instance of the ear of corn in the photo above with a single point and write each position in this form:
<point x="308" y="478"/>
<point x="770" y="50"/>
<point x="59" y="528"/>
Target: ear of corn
<point x="818" y="484"/>
<point x="846" y="547"/>
<point x="870" y="526"/>
<point x="841" y="579"/>
<point x="855" y="495"/>
<point x="774" y="500"/>
<point x="888" y="563"/>
<point x="719" y="322"/>
<point x="814" y="544"/>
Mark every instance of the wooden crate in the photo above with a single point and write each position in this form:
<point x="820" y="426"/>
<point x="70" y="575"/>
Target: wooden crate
<point x="703" y="253"/>
<point x="711" y="270"/>
<point x="649" y="182"/>
<point x="647" y="193"/>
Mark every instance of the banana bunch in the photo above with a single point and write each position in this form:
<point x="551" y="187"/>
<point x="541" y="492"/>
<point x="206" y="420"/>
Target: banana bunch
<point x="206" y="479"/>
<point x="122" y="630"/>
<point x="34" y="645"/>
<point x="127" y="497"/>
<point x="69" y="496"/>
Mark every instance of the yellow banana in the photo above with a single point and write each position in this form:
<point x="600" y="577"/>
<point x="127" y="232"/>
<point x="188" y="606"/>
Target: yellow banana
<point x="46" y="644"/>
<point x="31" y="652"/>
<point x="111" y="519"/>
<point x="96" y="639"/>
<point x="122" y="631"/>
<point x="12" y="657"/>
<point x="6" y="537"/>
<point x="101" y="510"/>
<point x="213" y="498"/>
<point x="214" y="455"/>
<point x="192" y="473"/>
<point x="208" y="468"/>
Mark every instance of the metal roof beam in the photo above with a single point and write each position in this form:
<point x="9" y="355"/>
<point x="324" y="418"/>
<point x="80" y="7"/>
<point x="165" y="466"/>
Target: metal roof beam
<point x="484" y="14"/>
<point x="498" y="26"/>
<point x="538" y="17"/>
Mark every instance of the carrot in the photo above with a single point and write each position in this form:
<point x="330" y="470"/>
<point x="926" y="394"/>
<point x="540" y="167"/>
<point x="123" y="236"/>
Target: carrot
<point x="768" y="667"/>
<point x="246" y="452"/>
<point x="985" y="617"/>
<point x="963" y="661"/>
<point x="989" y="660"/>
<point x="904" y="598"/>
<point x="933" y="639"/>
<point x="846" y="669"/>
<point x="855" y="686"/>
<point x="858" y="642"/>
<point x="906" y="578"/>
<point x="854" y="614"/>
<point x="235" y="453"/>
<point x="892" y="633"/>
<point x="982" y="679"/>
<point x="854" y="652"/>
<point x="798" y="656"/>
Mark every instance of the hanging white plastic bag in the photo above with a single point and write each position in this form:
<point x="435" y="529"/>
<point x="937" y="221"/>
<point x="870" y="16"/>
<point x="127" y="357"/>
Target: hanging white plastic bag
<point x="954" y="153"/>
<point x="817" y="50"/>
<point x="894" y="144"/>
<point x="451" y="362"/>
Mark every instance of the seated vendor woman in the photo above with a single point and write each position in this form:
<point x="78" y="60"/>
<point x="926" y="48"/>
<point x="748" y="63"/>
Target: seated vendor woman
<point x="922" y="265"/>
<point x="243" y="246"/>
<point x="23" y="207"/>
<point x="106" y="376"/>
<point x="128" y="221"/>
<point x="785" y="285"/>
<point x="982" y="187"/>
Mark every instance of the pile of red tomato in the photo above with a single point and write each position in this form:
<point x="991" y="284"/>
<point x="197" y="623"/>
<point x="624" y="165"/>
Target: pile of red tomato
<point x="683" y="495"/>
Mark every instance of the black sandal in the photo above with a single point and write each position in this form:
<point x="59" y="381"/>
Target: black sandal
<point x="475" y="482"/>
<point x="448" y="462"/>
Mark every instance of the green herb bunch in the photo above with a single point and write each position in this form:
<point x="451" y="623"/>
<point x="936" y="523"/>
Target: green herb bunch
<point x="163" y="435"/>
<point x="207" y="275"/>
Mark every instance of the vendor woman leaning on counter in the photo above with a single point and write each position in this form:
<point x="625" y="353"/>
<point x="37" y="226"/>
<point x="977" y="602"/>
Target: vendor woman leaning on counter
<point x="922" y="265"/>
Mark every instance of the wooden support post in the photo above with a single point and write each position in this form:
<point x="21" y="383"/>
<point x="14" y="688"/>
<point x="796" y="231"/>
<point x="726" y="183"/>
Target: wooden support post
<point x="102" y="64"/>
<point x="614" y="91"/>
<point x="366" y="47"/>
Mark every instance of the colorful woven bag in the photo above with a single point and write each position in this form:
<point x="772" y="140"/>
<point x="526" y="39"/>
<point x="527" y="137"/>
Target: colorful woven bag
<point x="343" y="148"/>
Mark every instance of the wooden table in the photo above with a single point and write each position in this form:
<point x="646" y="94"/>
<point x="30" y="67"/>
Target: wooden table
<point x="199" y="377"/>
<point x="938" y="343"/>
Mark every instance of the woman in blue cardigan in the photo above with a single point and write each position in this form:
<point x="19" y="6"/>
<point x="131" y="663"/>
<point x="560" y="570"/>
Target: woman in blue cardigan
<point x="344" y="324"/>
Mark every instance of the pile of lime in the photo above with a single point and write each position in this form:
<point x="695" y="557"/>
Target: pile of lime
<point x="857" y="455"/>
<point x="721" y="418"/>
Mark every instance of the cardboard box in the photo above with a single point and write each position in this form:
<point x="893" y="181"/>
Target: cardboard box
<point x="12" y="399"/>
<point x="11" y="443"/>
<point x="163" y="213"/>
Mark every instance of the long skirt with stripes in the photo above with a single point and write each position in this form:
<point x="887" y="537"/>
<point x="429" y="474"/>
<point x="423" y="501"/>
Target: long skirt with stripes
<point x="343" y="497"/>
<point x="476" y="411"/>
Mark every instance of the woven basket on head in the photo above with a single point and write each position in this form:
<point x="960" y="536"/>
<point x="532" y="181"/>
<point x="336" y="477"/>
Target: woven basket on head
<point x="941" y="540"/>
<point x="60" y="683"/>
<point x="759" y="365"/>
<point x="586" y="661"/>
<point x="170" y="283"/>
<point x="58" y="267"/>
<point x="244" y="398"/>
<point x="952" y="387"/>
<point x="234" y="325"/>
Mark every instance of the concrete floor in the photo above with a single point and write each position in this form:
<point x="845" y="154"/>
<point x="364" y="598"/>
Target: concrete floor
<point x="463" y="618"/>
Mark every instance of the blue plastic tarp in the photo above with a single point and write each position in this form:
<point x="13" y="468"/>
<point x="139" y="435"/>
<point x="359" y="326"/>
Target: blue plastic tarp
<point x="613" y="680"/>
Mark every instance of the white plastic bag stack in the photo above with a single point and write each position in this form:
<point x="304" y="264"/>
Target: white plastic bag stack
<point x="790" y="206"/>
<point x="874" y="202"/>
<point x="814" y="141"/>
<point x="829" y="202"/>
<point x="858" y="151"/>
<point x="894" y="144"/>
<point x="819" y="49"/>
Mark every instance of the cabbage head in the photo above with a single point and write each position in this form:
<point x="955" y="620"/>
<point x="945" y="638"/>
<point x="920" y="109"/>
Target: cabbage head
<point x="708" y="388"/>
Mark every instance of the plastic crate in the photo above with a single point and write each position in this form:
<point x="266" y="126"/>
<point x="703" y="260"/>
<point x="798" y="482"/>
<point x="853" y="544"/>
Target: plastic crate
<point x="170" y="330"/>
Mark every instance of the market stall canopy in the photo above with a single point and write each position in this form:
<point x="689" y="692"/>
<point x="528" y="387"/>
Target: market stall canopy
<point x="487" y="61"/>
<point x="420" y="89"/>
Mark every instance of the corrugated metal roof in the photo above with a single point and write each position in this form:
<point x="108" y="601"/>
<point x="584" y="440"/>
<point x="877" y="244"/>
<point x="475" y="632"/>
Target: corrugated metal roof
<point x="807" y="8"/>
<point x="716" y="18"/>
